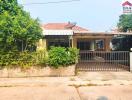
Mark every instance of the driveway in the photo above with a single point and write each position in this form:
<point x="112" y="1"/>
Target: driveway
<point x="105" y="75"/>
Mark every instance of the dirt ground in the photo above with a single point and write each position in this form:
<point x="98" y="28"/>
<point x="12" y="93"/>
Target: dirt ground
<point x="39" y="93"/>
<point x="85" y="86"/>
<point x="106" y="93"/>
<point x="66" y="93"/>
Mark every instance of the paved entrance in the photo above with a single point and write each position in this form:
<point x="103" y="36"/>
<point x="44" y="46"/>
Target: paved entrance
<point x="105" y="76"/>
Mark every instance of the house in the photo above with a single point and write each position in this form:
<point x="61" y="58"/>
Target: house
<point x="71" y="35"/>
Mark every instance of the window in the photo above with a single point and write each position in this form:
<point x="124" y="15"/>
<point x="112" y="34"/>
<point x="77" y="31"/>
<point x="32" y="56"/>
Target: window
<point x="99" y="44"/>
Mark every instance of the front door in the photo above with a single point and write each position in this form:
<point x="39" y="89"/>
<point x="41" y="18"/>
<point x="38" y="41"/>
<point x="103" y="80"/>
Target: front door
<point x="85" y="45"/>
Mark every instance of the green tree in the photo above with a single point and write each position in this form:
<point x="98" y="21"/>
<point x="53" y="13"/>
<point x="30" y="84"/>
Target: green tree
<point x="18" y="31"/>
<point x="124" y="42"/>
<point x="125" y="23"/>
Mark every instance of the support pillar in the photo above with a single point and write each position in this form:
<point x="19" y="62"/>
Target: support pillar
<point x="92" y="46"/>
<point x="107" y="44"/>
<point x="74" y="42"/>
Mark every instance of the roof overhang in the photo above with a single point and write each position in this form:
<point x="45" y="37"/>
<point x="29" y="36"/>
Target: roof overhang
<point x="81" y="32"/>
<point x="71" y="32"/>
<point x="121" y="33"/>
<point x="92" y="33"/>
<point x="101" y="33"/>
<point x="57" y="32"/>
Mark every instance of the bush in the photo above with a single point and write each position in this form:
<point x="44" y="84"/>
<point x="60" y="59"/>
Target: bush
<point x="73" y="55"/>
<point x="41" y="57"/>
<point x="7" y="58"/>
<point x="26" y="59"/>
<point x="60" y="56"/>
<point x="56" y="57"/>
<point x="22" y="59"/>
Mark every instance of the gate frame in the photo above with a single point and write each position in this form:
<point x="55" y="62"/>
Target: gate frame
<point x="131" y="60"/>
<point x="128" y="67"/>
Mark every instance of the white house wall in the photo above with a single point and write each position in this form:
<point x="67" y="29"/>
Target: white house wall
<point x="57" y="32"/>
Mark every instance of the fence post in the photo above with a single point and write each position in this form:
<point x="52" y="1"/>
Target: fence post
<point x="131" y="60"/>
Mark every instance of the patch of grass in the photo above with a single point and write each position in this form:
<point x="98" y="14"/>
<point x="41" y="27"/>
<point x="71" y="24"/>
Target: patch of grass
<point x="76" y="72"/>
<point x="7" y="86"/>
<point x="104" y="80"/>
<point x="89" y="84"/>
<point x="72" y="79"/>
<point x="107" y="84"/>
<point x="83" y="85"/>
<point x="122" y="84"/>
<point x="76" y="86"/>
<point x="41" y="85"/>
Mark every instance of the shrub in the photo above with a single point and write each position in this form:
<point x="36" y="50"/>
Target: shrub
<point x="73" y="55"/>
<point x="26" y="59"/>
<point x="22" y="59"/>
<point x="41" y="57"/>
<point x="60" y="56"/>
<point x="57" y="56"/>
<point x="7" y="58"/>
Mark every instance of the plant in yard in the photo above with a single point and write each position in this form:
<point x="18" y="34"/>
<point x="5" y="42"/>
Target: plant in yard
<point x="60" y="56"/>
<point x="41" y="57"/>
<point x="23" y="59"/>
<point x="18" y="31"/>
<point x="18" y="35"/>
<point x="73" y="55"/>
<point x="15" y="59"/>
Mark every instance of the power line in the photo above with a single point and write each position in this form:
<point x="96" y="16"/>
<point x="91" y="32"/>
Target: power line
<point x="66" y="1"/>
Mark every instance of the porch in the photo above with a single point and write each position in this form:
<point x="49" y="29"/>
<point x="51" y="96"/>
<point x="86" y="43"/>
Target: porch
<point x="92" y="41"/>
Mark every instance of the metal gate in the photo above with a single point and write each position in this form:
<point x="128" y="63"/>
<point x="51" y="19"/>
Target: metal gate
<point x="104" y="61"/>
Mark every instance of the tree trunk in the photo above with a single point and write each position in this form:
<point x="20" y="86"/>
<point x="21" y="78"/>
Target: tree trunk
<point x="25" y="45"/>
<point x="22" y="45"/>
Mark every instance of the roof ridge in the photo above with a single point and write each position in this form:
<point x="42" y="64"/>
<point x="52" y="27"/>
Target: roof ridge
<point x="61" y="26"/>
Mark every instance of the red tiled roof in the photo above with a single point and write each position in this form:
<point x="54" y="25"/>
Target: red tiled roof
<point x="62" y="26"/>
<point x="127" y="3"/>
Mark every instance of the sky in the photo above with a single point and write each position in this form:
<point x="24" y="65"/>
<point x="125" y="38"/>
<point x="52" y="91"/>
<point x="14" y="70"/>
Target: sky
<point x="95" y="15"/>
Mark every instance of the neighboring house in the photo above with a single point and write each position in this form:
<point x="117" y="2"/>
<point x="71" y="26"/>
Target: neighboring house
<point x="70" y="35"/>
